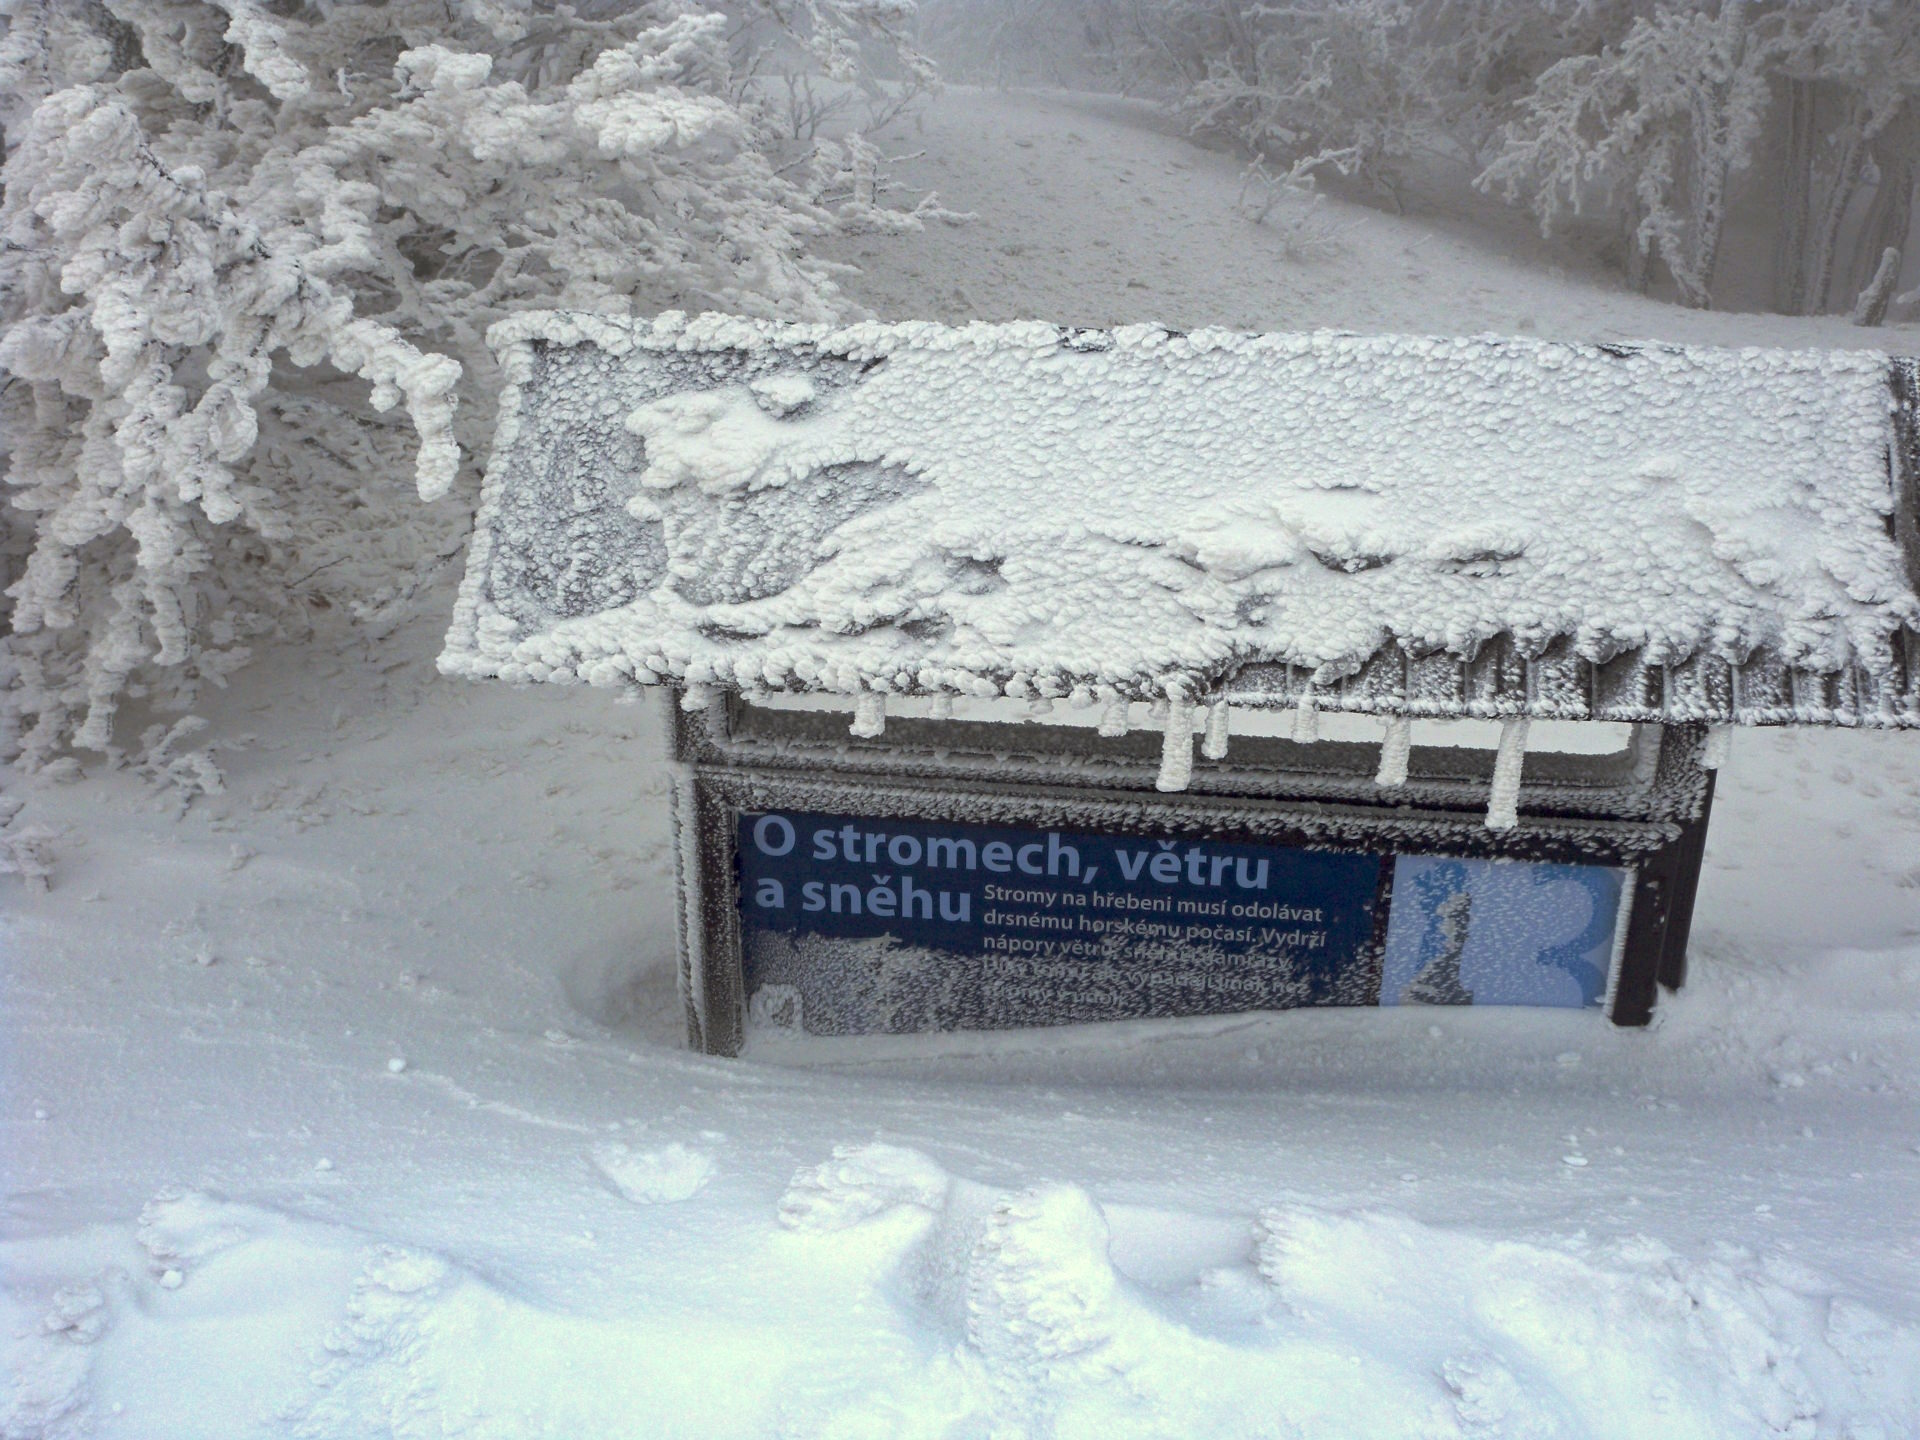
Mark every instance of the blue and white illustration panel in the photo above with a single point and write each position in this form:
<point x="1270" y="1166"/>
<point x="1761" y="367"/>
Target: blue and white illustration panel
<point x="1499" y="932"/>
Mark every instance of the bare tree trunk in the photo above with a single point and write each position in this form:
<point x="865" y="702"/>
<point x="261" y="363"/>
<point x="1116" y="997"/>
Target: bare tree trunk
<point x="1639" y="263"/>
<point x="1710" y="218"/>
<point x="1846" y="181"/>
<point x="1713" y="153"/>
<point x="1885" y="226"/>
<point x="1796" y="200"/>
<point x="1871" y="308"/>
<point x="1887" y="220"/>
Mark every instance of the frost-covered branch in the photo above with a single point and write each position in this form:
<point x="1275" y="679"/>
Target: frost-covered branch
<point x="1656" y="127"/>
<point x="1659" y="124"/>
<point x="850" y="178"/>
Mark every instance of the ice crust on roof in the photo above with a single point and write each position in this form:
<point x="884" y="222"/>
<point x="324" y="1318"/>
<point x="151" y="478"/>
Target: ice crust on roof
<point x="1028" y="510"/>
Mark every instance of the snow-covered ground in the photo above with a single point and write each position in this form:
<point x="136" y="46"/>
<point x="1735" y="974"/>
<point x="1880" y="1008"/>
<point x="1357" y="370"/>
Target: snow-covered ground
<point x="349" y="1102"/>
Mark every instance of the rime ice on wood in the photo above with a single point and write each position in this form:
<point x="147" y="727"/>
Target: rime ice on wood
<point x="870" y="716"/>
<point x="1176" y="755"/>
<point x="1600" y="532"/>
<point x="1503" y="803"/>
<point x="1396" y="748"/>
<point x="1306" y="719"/>
<point x="1214" y="747"/>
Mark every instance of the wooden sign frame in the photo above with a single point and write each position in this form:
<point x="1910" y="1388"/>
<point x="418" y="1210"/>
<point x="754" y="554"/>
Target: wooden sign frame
<point x="1645" y="812"/>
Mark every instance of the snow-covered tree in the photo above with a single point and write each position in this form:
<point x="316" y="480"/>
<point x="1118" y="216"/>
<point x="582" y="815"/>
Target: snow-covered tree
<point x="1354" y="86"/>
<point x="1656" y="126"/>
<point x="1852" y="127"/>
<point x="1654" y="129"/>
<point x="238" y="235"/>
<point x="1341" y="85"/>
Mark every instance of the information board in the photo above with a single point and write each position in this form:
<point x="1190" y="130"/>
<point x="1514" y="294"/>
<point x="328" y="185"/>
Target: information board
<point x="855" y="925"/>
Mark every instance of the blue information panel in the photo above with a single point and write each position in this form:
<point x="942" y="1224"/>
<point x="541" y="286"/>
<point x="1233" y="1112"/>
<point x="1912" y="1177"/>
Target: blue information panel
<point x="864" y="925"/>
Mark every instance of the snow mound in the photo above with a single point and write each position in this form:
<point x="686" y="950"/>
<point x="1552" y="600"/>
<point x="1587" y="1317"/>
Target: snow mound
<point x="231" y="1297"/>
<point x="1531" y="1339"/>
<point x="858" y="1183"/>
<point x="1332" y="1323"/>
<point x="428" y="1348"/>
<point x="294" y="1328"/>
<point x="653" y="1177"/>
<point x="1042" y="1296"/>
<point x="1037" y="1311"/>
<point x="44" y="1360"/>
<point x="181" y="1228"/>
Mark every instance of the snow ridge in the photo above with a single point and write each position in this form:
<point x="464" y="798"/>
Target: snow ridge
<point x="1341" y="1316"/>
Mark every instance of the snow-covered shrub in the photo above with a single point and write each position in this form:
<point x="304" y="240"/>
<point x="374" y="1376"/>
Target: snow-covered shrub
<point x="1295" y="211"/>
<point x="25" y="850"/>
<point x="238" y="238"/>
<point x="167" y="767"/>
<point x="1333" y="84"/>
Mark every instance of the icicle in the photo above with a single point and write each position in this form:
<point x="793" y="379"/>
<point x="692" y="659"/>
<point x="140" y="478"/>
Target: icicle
<point x="1176" y="750"/>
<point x="869" y="715"/>
<point x="696" y="698"/>
<point x="1395" y="747"/>
<point x="1719" y="747"/>
<point x="1214" y="747"/>
<point x="1503" y="804"/>
<point x="943" y="706"/>
<point x="1306" y="720"/>
<point x="1113" y="719"/>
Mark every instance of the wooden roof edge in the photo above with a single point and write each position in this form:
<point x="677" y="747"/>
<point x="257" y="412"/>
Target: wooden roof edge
<point x="1558" y="685"/>
<point x="1500" y="683"/>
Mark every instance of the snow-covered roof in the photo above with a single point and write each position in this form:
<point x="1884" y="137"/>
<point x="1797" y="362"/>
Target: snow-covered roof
<point x="1400" y="525"/>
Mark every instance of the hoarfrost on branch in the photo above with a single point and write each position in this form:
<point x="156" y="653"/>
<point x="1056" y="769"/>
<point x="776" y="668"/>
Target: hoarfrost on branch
<point x="237" y="236"/>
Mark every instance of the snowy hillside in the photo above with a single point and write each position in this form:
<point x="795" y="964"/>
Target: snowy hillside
<point x="350" y="1101"/>
<point x="1093" y="210"/>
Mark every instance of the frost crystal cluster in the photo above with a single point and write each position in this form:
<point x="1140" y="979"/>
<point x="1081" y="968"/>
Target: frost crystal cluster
<point x="238" y="235"/>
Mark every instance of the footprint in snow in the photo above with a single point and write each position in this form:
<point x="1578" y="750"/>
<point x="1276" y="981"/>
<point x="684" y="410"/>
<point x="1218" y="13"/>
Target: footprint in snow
<point x="653" y="1177"/>
<point x="860" y="1182"/>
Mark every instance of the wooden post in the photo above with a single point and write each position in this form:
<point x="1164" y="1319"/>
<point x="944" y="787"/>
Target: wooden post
<point x="1664" y="889"/>
<point x="1692" y="849"/>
